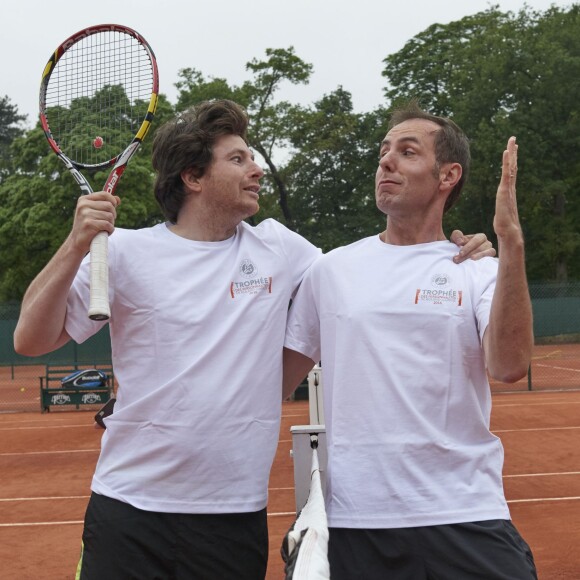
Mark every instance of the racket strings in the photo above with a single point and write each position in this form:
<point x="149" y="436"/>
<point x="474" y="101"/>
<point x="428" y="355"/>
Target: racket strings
<point x="98" y="95"/>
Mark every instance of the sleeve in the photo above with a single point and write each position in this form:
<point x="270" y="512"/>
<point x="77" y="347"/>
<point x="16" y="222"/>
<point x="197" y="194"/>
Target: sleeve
<point x="486" y="276"/>
<point x="303" y="326"/>
<point x="300" y="254"/>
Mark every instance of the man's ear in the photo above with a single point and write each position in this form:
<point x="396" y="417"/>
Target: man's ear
<point x="449" y="175"/>
<point x="190" y="181"/>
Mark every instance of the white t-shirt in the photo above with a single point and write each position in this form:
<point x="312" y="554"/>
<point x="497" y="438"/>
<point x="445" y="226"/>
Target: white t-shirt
<point x="197" y="330"/>
<point x="406" y="398"/>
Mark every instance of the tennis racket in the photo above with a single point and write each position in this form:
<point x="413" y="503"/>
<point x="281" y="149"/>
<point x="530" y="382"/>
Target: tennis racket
<point x="98" y="96"/>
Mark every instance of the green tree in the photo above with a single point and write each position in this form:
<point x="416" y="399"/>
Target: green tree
<point x="498" y="74"/>
<point x="331" y="176"/>
<point x="320" y="160"/>
<point x="547" y="115"/>
<point x="271" y="120"/>
<point x="9" y="129"/>
<point x="38" y="199"/>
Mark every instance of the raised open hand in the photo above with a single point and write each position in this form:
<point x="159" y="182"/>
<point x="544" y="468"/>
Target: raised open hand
<point x="506" y="221"/>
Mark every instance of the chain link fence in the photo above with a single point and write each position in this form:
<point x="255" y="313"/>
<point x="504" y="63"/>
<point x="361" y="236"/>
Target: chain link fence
<point x="555" y="363"/>
<point x="556" y="360"/>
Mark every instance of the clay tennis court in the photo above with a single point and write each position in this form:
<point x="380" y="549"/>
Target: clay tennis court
<point x="46" y="462"/>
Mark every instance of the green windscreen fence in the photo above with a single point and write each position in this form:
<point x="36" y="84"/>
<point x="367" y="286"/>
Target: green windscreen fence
<point x="96" y="350"/>
<point x="556" y="309"/>
<point x="555" y="363"/>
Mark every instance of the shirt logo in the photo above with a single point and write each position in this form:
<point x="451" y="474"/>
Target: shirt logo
<point x="440" y="292"/>
<point x="248" y="269"/>
<point x="250" y="282"/>
<point x="441" y="281"/>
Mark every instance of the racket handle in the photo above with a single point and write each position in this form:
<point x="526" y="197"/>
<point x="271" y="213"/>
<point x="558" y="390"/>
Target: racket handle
<point x="99" y="276"/>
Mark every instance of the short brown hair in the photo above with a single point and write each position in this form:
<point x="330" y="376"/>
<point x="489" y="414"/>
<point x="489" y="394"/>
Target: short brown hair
<point x="451" y="143"/>
<point x="186" y="142"/>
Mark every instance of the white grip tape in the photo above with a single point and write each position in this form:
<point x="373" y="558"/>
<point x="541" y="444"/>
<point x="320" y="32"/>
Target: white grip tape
<point x="99" y="275"/>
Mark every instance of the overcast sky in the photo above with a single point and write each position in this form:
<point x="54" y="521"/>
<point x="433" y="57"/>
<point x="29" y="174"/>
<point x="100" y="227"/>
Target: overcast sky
<point x="345" y="40"/>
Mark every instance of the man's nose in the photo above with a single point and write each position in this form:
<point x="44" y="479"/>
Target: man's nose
<point x="257" y="170"/>
<point x="386" y="160"/>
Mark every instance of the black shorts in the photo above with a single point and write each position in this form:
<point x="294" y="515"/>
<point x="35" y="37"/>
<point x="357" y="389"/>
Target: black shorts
<point x="487" y="550"/>
<point x="121" y="542"/>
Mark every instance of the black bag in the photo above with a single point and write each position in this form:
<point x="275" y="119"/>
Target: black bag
<point x="89" y="378"/>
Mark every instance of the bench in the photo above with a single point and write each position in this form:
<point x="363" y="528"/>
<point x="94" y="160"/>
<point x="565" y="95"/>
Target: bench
<point x="53" y="393"/>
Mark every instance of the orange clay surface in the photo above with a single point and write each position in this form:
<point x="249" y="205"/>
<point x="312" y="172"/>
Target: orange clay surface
<point x="47" y="460"/>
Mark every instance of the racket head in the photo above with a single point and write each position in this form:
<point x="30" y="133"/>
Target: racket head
<point x="98" y="96"/>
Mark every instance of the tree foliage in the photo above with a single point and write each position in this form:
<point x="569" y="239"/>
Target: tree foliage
<point x="38" y="199"/>
<point x="495" y="73"/>
<point x="332" y="174"/>
<point x="9" y="129"/>
<point x="270" y="119"/>
<point x="320" y="159"/>
<point x="500" y="74"/>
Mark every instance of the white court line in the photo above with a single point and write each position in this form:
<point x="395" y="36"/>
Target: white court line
<point x="48" y="452"/>
<point x="30" y="421"/>
<point x="91" y="425"/>
<point x="58" y="497"/>
<point x="275" y="514"/>
<point x="45" y="498"/>
<point x="278" y="514"/>
<point x="534" y="429"/>
<point x="543" y="474"/>
<point x="563" y="402"/>
<point x="559" y="368"/>
<point x="80" y="522"/>
<point x="13" y="525"/>
<point x="541" y="499"/>
<point x="86" y="425"/>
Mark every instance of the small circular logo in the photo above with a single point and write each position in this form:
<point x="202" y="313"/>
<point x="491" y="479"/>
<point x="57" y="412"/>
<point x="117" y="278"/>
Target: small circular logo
<point x="91" y="398"/>
<point x="248" y="269"/>
<point x="441" y="280"/>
